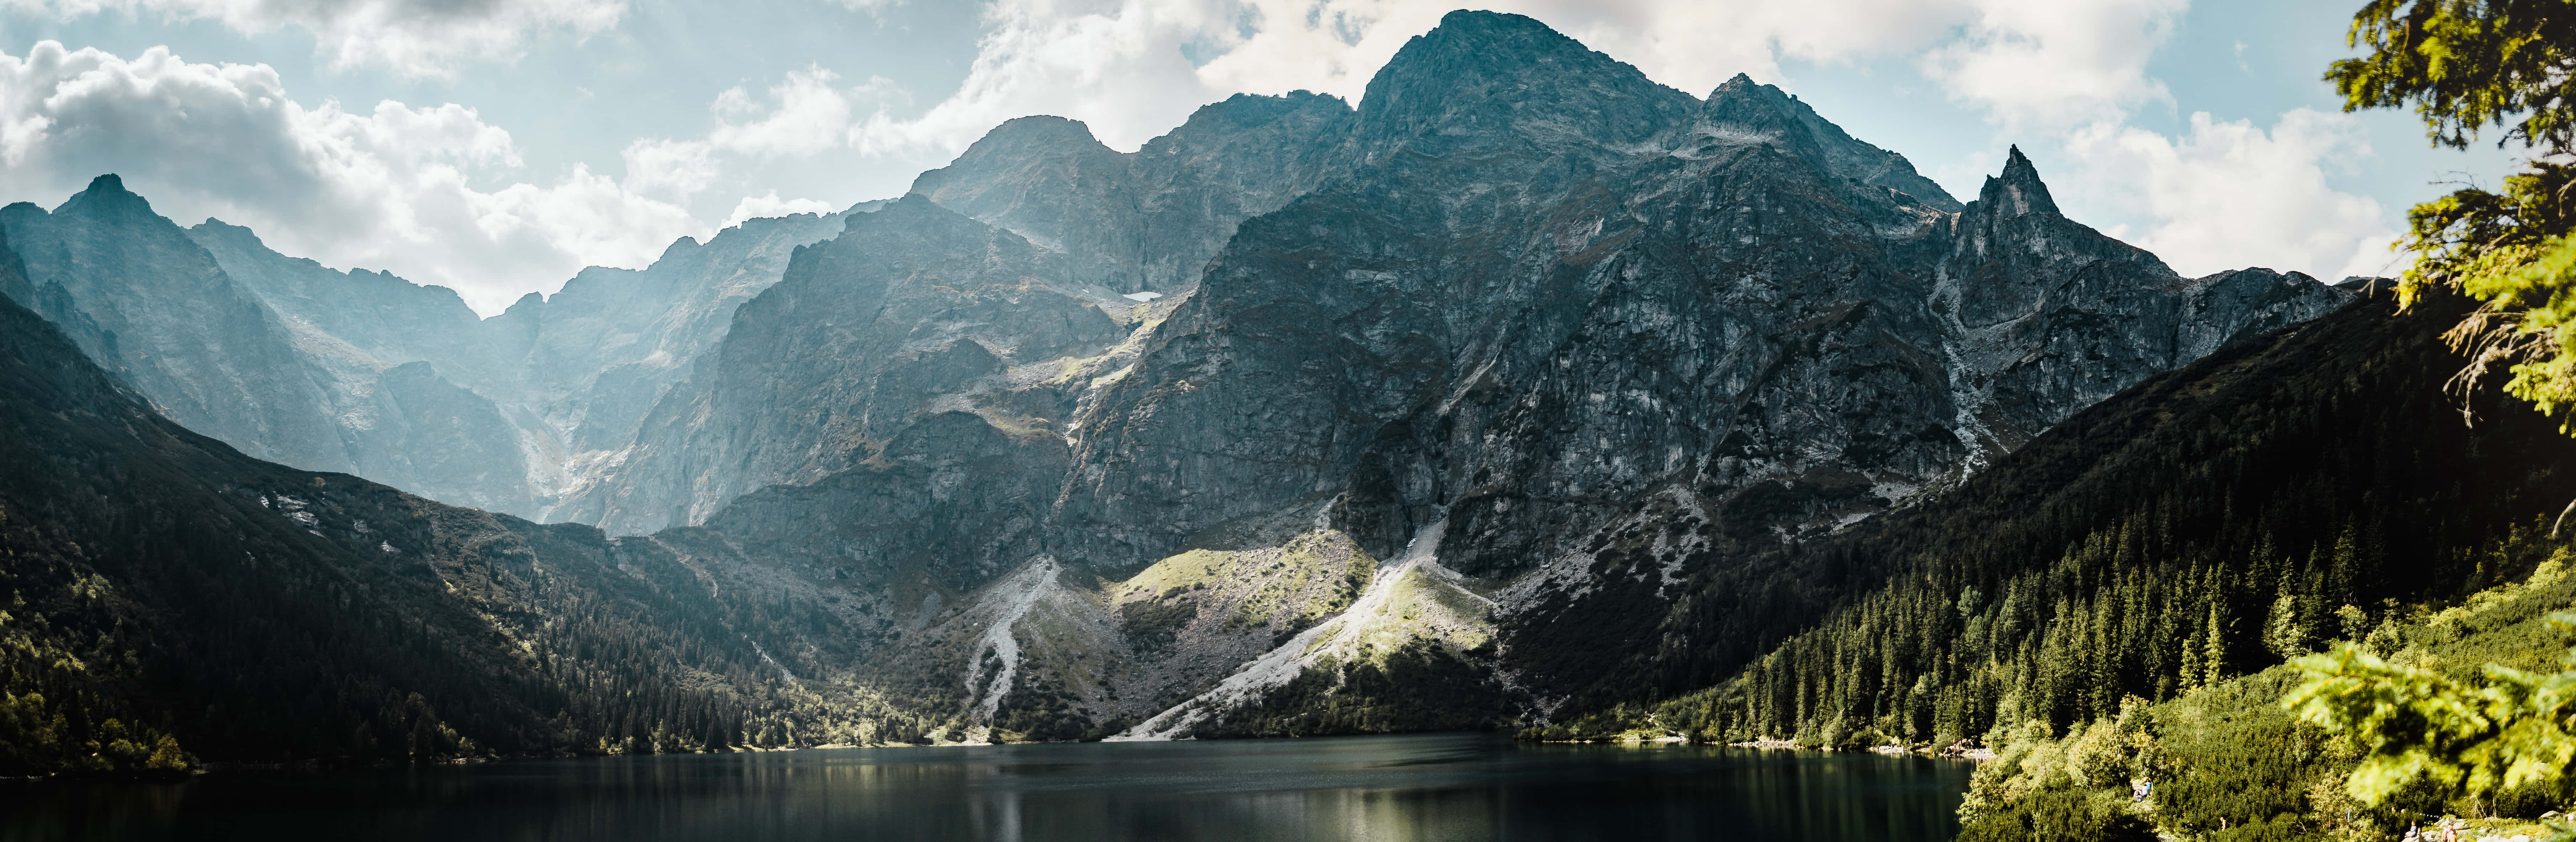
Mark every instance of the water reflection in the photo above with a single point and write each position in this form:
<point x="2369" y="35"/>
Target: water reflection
<point x="1421" y="787"/>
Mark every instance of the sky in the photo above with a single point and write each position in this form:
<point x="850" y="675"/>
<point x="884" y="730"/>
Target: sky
<point x="498" y="146"/>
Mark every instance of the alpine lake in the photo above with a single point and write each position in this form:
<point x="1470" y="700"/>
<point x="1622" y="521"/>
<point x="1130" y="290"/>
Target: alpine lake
<point x="1410" y="787"/>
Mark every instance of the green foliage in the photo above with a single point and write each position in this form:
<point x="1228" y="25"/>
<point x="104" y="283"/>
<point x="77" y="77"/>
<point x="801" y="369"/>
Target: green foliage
<point x="2232" y="762"/>
<point x="2501" y="734"/>
<point x="2061" y="816"/>
<point x="2467" y="65"/>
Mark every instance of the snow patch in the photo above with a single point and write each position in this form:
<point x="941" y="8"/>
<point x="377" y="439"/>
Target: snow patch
<point x="1142" y="296"/>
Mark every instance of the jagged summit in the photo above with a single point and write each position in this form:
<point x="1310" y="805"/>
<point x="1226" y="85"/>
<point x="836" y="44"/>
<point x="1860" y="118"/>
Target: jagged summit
<point x="2018" y="192"/>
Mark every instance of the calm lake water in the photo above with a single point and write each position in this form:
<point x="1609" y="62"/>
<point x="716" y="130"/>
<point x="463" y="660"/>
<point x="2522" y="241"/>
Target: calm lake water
<point x="1416" y="787"/>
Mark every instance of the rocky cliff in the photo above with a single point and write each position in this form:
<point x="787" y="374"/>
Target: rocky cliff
<point x="913" y="311"/>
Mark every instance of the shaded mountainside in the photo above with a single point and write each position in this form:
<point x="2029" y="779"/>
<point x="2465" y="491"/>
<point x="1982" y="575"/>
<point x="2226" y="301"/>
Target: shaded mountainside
<point x="2302" y="487"/>
<point x="161" y="583"/>
<point x="369" y="373"/>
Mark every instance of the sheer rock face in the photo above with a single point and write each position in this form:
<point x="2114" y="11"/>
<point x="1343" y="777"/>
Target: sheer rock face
<point x="1546" y="286"/>
<point x="914" y="310"/>
<point x="2046" y="316"/>
<point x="156" y="310"/>
<point x="1527" y="287"/>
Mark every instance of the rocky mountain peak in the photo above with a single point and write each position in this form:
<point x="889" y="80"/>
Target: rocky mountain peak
<point x="2018" y="192"/>
<point x="1023" y="139"/>
<point x="1744" y="111"/>
<point x="1241" y="116"/>
<point x="1481" y="77"/>
<point x="107" y="199"/>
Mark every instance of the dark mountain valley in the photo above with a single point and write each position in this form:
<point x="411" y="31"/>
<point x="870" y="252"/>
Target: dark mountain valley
<point x="1525" y="396"/>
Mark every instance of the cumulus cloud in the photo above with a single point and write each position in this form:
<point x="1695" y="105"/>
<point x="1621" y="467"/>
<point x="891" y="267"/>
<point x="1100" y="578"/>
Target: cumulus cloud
<point x="2230" y="194"/>
<point x="2048" y="65"/>
<point x="417" y="38"/>
<point x="810" y="116"/>
<point x="1132" y="69"/>
<point x="1119" y="66"/>
<point x="763" y="207"/>
<point x="392" y="187"/>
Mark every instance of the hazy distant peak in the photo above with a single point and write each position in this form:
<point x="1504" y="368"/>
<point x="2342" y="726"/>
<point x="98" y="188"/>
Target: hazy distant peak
<point x="216" y="229"/>
<point x="107" y="197"/>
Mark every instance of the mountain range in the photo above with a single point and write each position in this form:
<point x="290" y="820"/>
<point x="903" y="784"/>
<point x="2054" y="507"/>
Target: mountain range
<point x="1525" y="392"/>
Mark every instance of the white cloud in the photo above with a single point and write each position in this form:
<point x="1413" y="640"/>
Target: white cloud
<point x="395" y="187"/>
<point x="2231" y="195"/>
<point x="810" y="116"/>
<point x="1117" y="66"/>
<point x="416" y="38"/>
<point x="2045" y="65"/>
<point x="760" y="207"/>
<point x="1133" y="69"/>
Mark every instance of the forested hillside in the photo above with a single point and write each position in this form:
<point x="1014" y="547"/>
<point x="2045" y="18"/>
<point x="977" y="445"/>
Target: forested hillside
<point x="2231" y="764"/>
<point x="2208" y="523"/>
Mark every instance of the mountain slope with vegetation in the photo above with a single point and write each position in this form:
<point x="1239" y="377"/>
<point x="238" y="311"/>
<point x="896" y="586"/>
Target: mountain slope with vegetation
<point x="168" y="597"/>
<point x="2208" y="523"/>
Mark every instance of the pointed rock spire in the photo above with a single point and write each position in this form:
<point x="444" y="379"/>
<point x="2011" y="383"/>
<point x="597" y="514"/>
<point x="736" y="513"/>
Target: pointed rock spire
<point x="2018" y="191"/>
